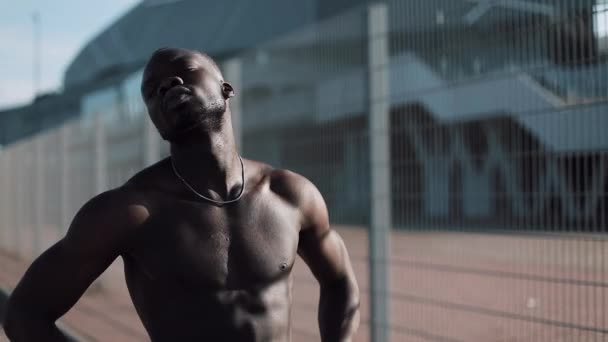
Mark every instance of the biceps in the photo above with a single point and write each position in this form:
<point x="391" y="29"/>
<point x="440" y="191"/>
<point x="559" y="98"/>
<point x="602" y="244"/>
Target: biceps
<point x="56" y="280"/>
<point x="326" y="256"/>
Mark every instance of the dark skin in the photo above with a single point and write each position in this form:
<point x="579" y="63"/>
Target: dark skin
<point x="196" y="271"/>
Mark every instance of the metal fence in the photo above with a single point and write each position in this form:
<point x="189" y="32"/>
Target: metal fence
<point x="460" y="146"/>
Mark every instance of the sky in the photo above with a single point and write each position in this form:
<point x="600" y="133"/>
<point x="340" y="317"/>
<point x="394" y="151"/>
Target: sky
<point x="66" y="25"/>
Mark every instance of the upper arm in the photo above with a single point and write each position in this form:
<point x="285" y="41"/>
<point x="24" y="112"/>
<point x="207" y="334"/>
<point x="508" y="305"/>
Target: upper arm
<point x="319" y="246"/>
<point x="58" y="277"/>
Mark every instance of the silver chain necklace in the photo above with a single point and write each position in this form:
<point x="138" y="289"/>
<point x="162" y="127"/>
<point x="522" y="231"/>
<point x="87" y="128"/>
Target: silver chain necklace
<point x="211" y="199"/>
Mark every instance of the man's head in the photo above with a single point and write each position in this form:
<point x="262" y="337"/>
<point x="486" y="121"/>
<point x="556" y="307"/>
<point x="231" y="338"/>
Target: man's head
<point x="183" y="89"/>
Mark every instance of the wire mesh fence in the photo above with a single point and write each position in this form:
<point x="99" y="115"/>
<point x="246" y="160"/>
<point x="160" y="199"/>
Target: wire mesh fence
<point x="459" y="144"/>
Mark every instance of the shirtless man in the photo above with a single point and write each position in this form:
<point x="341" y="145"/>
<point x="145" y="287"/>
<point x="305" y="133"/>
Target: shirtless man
<point x="208" y="239"/>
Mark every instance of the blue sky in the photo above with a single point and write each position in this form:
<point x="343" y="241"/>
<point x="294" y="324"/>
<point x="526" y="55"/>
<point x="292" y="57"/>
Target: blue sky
<point x="66" y="26"/>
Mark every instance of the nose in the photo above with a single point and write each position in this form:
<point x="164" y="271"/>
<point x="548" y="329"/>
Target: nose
<point x="168" y="83"/>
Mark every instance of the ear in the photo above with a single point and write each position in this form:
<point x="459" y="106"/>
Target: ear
<point x="227" y="90"/>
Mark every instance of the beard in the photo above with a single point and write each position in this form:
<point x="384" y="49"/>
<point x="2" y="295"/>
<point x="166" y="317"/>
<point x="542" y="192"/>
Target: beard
<point x="207" y="116"/>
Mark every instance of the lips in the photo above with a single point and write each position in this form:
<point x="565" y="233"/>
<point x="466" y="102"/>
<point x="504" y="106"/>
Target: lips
<point x="176" y="96"/>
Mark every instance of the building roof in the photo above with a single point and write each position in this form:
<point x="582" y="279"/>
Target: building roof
<point x="224" y="27"/>
<point x="216" y="27"/>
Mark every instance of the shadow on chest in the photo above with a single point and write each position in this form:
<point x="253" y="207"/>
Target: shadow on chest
<point x="194" y="244"/>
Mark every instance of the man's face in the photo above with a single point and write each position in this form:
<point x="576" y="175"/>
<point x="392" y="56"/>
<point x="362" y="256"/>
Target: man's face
<point x="182" y="90"/>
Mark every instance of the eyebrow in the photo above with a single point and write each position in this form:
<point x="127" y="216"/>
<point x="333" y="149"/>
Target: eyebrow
<point x="186" y="58"/>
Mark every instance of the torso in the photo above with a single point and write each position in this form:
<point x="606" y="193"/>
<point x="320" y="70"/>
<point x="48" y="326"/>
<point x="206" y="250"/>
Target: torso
<point x="199" y="272"/>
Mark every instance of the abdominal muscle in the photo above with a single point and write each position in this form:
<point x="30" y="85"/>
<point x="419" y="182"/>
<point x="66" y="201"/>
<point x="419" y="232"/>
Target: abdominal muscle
<point x="172" y="313"/>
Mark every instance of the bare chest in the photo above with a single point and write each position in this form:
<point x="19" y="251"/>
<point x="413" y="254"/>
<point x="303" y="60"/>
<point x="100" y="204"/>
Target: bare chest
<point x="188" y="244"/>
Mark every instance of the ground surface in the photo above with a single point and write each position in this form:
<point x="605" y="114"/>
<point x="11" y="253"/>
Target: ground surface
<point x="444" y="287"/>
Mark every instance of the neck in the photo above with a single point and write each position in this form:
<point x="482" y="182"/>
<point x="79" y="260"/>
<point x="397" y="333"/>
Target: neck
<point x="208" y="159"/>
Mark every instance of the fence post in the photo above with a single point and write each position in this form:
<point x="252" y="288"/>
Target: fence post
<point x="12" y="198"/>
<point x="233" y="75"/>
<point x="5" y="200"/>
<point x="101" y="172"/>
<point x="64" y="158"/>
<point x="151" y="143"/>
<point x="380" y="190"/>
<point x="20" y="176"/>
<point x="39" y="193"/>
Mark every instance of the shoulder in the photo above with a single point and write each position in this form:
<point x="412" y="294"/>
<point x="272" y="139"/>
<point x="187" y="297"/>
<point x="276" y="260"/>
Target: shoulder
<point x="109" y="219"/>
<point x="124" y="203"/>
<point x="303" y="194"/>
<point x="293" y="187"/>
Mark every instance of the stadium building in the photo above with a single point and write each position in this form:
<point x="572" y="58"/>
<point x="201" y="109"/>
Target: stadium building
<point x="496" y="110"/>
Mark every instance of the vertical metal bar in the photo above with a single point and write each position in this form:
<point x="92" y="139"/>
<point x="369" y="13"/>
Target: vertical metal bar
<point x="11" y="218"/>
<point x="37" y="71"/>
<point x="39" y="193"/>
<point x="151" y="146"/>
<point x="4" y="200"/>
<point x="101" y="172"/>
<point x="233" y="74"/>
<point x="64" y="158"/>
<point x="21" y="154"/>
<point x="379" y="137"/>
